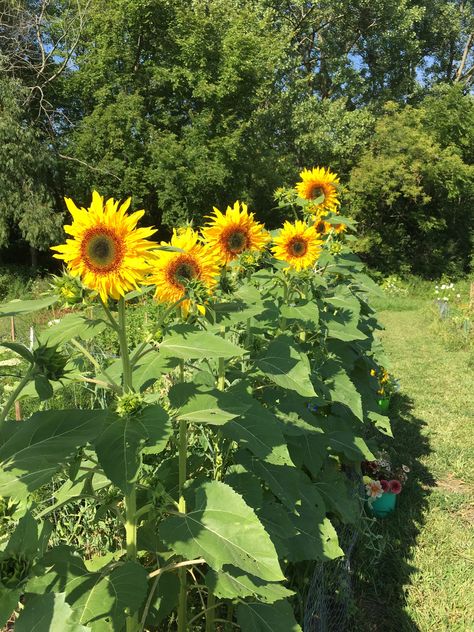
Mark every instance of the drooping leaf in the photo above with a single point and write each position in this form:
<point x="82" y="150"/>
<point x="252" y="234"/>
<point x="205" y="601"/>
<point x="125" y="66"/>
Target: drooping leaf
<point x="314" y="537"/>
<point x="165" y="600"/>
<point x="20" y="349"/>
<point x="287" y="366"/>
<point x="307" y="312"/>
<point x="122" y="440"/>
<point x="258" y="430"/>
<point x="98" y="599"/>
<point x="231" y="582"/>
<point x="203" y="405"/>
<point x="342" y="389"/>
<point x="339" y="494"/>
<point x="15" y="308"/>
<point x="72" y="326"/>
<point x="49" y="612"/>
<point x="199" y="344"/>
<point x="223" y="529"/>
<point x="254" y="616"/>
<point x="41" y="445"/>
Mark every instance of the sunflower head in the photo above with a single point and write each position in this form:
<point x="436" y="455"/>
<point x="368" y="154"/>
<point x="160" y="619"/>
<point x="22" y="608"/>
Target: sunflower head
<point x="298" y="244"/>
<point x="319" y="184"/>
<point x="193" y="272"/>
<point x="107" y="251"/>
<point x="235" y="232"/>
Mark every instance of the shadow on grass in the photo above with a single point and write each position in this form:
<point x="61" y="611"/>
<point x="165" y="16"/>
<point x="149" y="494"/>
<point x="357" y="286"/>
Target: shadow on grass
<point x="382" y="559"/>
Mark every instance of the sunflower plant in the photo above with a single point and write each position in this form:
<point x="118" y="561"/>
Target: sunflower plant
<point x="222" y="445"/>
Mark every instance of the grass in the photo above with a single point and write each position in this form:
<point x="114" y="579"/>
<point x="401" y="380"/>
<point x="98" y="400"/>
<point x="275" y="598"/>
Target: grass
<point x="423" y="578"/>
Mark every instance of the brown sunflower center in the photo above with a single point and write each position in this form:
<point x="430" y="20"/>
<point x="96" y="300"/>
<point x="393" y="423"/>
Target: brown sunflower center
<point x="237" y="241"/>
<point x="298" y="247"/>
<point x="102" y="250"/>
<point x="320" y="227"/>
<point x="316" y="192"/>
<point x="184" y="269"/>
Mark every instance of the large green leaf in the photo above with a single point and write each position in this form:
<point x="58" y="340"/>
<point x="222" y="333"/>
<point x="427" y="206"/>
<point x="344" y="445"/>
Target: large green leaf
<point x="199" y="344"/>
<point x="72" y="326"/>
<point x="151" y="367"/>
<point x="254" y="616"/>
<point x="120" y="444"/>
<point x="8" y="602"/>
<point x="259" y="430"/>
<point x="15" y="308"/>
<point x="342" y="388"/>
<point x="287" y="366"/>
<point x="313" y="537"/>
<point x="48" y="613"/>
<point x="288" y="483"/>
<point x="223" y="529"/>
<point x="41" y="445"/>
<point x="340" y="495"/>
<point x="342" y="319"/>
<point x="98" y="599"/>
<point x="232" y="582"/>
<point x="306" y="312"/>
<point x="209" y="406"/>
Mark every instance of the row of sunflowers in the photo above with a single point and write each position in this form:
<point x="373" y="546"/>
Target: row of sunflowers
<point x="222" y="450"/>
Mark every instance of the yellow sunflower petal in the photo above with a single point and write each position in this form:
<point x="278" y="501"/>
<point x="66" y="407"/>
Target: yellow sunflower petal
<point x="319" y="182"/>
<point x="106" y="251"/>
<point x="298" y="244"/>
<point x="234" y="232"/>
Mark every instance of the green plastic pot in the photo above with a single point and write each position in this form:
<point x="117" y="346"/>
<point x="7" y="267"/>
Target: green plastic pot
<point x="383" y="506"/>
<point x="384" y="404"/>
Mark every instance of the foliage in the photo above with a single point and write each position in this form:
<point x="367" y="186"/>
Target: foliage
<point x="221" y="443"/>
<point x="412" y="191"/>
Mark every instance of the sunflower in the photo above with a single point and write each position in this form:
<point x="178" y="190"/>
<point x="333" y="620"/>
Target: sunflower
<point x="323" y="227"/>
<point x="316" y="183"/>
<point x="174" y="272"/>
<point x="298" y="244"/>
<point x="235" y="232"/>
<point x="107" y="251"/>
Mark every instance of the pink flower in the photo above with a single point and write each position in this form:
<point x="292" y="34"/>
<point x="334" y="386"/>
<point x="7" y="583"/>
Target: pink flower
<point x="395" y="487"/>
<point x="385" y="485"/>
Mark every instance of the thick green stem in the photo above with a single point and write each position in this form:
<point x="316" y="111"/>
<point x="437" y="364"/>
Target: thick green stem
<point x="182" y="456"/>
<point x="211" y="612"/>
<point x="285" y="302"/>
<point x="11" y="400"/>
<point x="131" y="496"/>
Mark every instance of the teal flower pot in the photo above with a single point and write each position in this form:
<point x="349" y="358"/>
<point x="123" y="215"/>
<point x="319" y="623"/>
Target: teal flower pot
<point x="384" y="404"/>
<point x="384" y="505"/>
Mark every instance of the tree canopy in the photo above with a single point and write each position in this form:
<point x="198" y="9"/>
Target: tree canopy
<point x="188" y="105"/>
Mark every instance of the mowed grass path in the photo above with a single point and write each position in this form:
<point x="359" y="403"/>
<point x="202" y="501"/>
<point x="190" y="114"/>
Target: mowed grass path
<point x="424" y="580"/>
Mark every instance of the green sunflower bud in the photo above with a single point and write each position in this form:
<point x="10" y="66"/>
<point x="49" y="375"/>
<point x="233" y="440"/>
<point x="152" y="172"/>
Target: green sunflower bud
<point x="130" y="404"/>
<point x="50" y="362"/>
<point x="14" y="570"/>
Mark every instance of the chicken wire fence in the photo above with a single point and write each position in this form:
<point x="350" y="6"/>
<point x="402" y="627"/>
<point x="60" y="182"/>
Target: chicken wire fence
<point x="330" y="596"/>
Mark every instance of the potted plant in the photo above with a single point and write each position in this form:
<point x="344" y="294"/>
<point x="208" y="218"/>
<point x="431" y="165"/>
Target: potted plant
<point x="383" y="483"/>
<point x="387" y="386"/>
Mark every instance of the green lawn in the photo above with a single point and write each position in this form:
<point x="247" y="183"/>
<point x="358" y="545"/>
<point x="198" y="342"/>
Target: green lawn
<point x="423" y="580"/>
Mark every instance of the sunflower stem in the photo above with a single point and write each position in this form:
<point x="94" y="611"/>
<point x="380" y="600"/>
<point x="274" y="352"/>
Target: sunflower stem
<point x="182" y="456"/>
<point x="286" y="294"/>
<point x="11" y="400"/>
<point x="130" y="498"/>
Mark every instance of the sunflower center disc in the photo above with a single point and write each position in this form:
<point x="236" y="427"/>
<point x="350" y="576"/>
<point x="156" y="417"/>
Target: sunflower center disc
<point x="101" y="250"/>
<point x="237" y="241"/>
<point x="299" y="247"/>
<point x="320" y="227"/>
<point x="185" y="271"/>
<point x="317" y="192"/>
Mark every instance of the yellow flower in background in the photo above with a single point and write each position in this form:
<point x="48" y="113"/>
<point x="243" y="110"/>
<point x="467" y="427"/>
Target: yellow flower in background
<point x="322" y="227"/>
<point x="319" y="182"/>
<point x="298" y="244"/>
<point x="235" y="232"/>
<point x="107" y="251"/>
<point x="174" y="271"/>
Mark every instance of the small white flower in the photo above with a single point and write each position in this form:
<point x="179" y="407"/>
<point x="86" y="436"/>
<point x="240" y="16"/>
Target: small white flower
<point x="436" y="287"/>
<point x="443" y="287"/>
<point x="458" y="296"/>
<point x="445" y="298"/>
<point x="436" y="291"/>
<point x="55" y="321"/>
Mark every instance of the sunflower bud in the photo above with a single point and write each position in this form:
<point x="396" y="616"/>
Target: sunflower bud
<point x="68" y="289"/>
<point x="129" y="405"/>
<point x="50" y="363"/>
<point x="14" y="570"/>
